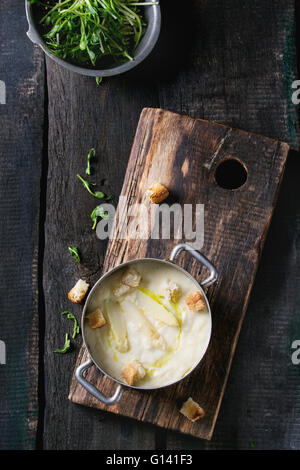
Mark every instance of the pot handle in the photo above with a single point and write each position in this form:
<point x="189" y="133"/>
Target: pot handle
<point x="213" y="276"/>
<point x="92" y="389"/>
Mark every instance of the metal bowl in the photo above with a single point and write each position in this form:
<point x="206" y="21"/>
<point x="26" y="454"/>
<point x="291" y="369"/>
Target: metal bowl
<point x="153" y="17"/>
<point x="213" y="276"/>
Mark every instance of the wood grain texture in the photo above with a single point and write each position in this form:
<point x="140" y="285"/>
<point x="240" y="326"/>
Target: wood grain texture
<point x="263" y="384"/>
<point x="233" y="64"/>
<point x="236" y="223"/>
<point x="21" y="147"/>
<point x="78" y="112"/>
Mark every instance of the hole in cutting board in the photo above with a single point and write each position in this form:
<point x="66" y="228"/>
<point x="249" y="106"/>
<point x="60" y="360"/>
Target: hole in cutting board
<point x="231" y="173"/>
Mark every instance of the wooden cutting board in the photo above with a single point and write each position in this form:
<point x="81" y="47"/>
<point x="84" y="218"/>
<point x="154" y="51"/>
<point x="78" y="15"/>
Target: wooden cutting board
<point x="187" y="156"/>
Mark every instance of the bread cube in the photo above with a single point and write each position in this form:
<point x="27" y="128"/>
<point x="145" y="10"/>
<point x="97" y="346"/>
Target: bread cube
<point x="131" y="277"/>
<point x="157" y="193"/>
<point x="173" y="291"/>
<point x="78" y="292"/>
<point x="192" y="410"/>
<point x="133" y="372"/>
<point x="195" y="301"/>
<point x="96" y="319"/>
<point x="120" y="289"/>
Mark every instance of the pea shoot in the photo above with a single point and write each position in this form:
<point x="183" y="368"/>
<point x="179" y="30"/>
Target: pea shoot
<point x="67" y="346"/>
<point x="98" y="212"/>
<point x="86" y="31"/>
<point x="87" y="185"/>
<point x="76" y="329"/>
<point x="91" y="155"/>
<point x="75" y="253"/>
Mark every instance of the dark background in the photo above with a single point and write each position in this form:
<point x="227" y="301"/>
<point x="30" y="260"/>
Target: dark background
<point x="232" y="62"/>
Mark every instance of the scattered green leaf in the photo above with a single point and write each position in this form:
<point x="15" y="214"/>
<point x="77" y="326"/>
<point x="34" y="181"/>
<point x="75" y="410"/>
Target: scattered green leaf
<point x="99" y="80"/>
<point x="74" y="252"/>
<point x="76" y="329"/>
<point x="253" y="444"/>
<point x="98" y="212"/>
<point x="97" y="194"/>
<point x="91" y="155"/>
<point x="66" y="347"/>
<point x="87" y="185"/>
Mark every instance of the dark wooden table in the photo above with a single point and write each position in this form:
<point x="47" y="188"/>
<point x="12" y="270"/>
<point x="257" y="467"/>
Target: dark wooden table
<point x="232" y="62"/>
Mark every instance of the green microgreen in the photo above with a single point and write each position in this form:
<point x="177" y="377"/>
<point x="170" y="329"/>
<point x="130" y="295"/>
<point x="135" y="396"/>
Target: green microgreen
<point x="91" y="155"/>
<point x="97" y="194"/>
<point x="67" y="346"/>
<point x="76" y="329"/>
<point x="75" y="253"/>
<point x="86" y="31"/>
<point x="87" y="185"/>
<point x="98" y="212"/>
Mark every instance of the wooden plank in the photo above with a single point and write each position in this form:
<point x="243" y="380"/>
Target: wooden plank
<point x="213" y="70"/>
<point x="234" y="63"/>
<point x="81" y="115"/>
<point x="21" y="147"/>
<point x="238" y="70"/>
<point x="261" y="405"/>
<point x="236" y="223"/>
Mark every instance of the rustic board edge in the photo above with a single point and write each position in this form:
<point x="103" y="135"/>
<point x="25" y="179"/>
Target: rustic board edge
<point x="285" y="149"/>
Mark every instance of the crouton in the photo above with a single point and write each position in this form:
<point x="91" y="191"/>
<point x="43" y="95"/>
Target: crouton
<point x="157" y="193"/>
<point x="133" y="372"/>
<point x="195" y="301"/>
<point x="78" y="292"/>
<point x="191" y="410"/>
<point x="173" y="291"/>
<point x="120" y="289"/>
<point x="131" y="277"/>
<point x="96" y="319"/>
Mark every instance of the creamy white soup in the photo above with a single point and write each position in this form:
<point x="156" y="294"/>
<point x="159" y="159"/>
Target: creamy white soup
<point x="150" y="323"/>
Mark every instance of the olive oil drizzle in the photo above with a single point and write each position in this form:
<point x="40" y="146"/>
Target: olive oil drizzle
<point x="175" y="308"/>
<point x="150" y="368"/>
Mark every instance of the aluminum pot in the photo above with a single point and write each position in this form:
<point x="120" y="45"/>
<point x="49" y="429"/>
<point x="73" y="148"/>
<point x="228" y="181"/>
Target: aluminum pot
<point x="153" y="18"/>
<point x="213" y="276"/>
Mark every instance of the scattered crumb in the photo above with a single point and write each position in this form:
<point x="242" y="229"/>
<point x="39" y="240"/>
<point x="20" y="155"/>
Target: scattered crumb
<point x="191" y="410"/>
